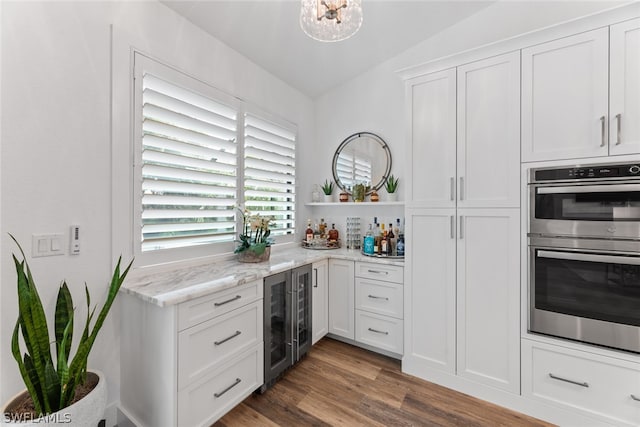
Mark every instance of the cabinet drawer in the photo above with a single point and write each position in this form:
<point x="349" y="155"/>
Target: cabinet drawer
<point x="388" y="273"/>
<point x="595" y="384"/>
<point x="379" y="297"/>
<point x="208" y="399"/>
<point x="379" y="331"/>
<point x="203" y="346"/>
<point x="197" y="311"/>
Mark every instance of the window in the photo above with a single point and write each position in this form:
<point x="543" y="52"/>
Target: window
<point x="198" y="155"/>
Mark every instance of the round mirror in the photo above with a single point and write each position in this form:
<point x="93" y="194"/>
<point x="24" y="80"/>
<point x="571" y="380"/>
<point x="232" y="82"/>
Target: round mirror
<point x="362" y="158"/>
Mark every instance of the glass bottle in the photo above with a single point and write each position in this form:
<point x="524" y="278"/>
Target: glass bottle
<point x="392" y="241"/>
<point x="333" y="233"/>
<point x="369" y="242"/>
<point x="384" y="244"/>
<point x="400" y="247"/>
<point x="309" y="232"/>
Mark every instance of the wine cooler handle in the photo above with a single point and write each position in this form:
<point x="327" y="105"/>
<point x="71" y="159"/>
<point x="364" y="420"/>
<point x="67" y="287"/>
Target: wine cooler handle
<point x="618" y="129"/>
<point x="603" y="135"/>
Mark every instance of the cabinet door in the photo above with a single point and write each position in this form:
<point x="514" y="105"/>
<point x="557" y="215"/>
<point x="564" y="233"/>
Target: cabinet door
<point x="489" y="132"/>
<point x="624" y="98"/>
<point x="489" y="297"/>
<point x="341" y="298"/>
<point x="565" y="97"/>
<point x="320" y="311"/>
<point x="432" y="156"/>
<point x="430" y="291"/>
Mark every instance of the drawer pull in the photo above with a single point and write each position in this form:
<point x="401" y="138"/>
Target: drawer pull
<point x="378" y="332"/>
<point x="375" y="297"/>
<point x="218" y="304"/>
<point x="227" y="339"/>
<point x="636" y="398"/>
<point x="216" y="395"/>
<point x="581" y="384"/>
<point x="378" y="272"/>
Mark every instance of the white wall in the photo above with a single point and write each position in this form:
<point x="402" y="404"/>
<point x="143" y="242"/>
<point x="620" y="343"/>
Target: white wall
<point x="374" y="101"/>
<point x="55" y="159"/>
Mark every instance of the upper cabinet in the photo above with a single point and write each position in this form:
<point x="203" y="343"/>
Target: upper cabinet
<point x="571" y="106"/>
<point x="624" y="98"/>
<point x="465" y="129"/>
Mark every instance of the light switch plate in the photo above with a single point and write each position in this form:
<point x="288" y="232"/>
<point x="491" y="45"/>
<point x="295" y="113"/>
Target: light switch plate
<point x="47" y="245"/>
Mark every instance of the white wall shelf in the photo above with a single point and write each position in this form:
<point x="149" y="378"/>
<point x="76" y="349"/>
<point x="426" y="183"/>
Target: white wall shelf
<point x="354" y="204"/>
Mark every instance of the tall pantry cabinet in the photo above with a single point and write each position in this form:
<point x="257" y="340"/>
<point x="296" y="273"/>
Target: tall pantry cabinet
<point x="462" y="278"/>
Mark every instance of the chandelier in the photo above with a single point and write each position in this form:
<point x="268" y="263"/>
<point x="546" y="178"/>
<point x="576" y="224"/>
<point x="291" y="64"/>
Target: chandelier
<point x="330" y="20"/>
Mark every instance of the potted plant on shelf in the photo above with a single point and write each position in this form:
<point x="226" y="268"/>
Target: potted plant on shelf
<point x="254" y="243"/>
<point x="391" y="185"/>
<point x="327" y="189"/>
<point x="59" y="390"/>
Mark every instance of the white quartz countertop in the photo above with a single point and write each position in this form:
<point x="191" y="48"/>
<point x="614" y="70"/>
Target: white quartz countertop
<point x="164" y="287"/>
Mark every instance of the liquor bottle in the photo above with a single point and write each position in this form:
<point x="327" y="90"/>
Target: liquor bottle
<point x="309" y="233"/>
<point x="392" y="241"/>
<point x="376" y="239"/>
<point x="322" y="228"/>
<point x="333" y="233"/>
<point x="400" y="247"/>
<point x="384" y="244"/>
<point x="397" y="230"/>
<point x="316" y="231"/>
<point x="369" y="245"/>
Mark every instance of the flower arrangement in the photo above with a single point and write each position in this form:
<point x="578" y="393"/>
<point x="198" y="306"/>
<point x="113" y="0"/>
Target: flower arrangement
<point x="255" y="237"/>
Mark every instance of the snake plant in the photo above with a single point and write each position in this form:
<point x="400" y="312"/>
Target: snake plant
<point x="50" y="384"/>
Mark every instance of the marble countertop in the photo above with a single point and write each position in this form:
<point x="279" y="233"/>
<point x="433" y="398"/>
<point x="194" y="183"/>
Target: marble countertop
<point x="168" y="286"/>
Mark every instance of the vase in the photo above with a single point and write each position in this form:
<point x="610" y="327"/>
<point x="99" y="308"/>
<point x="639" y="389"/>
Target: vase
<point x="374" y="196"/>
<point x="328" y="198"/>
<point x="392" y="197"/>
<point x="344" y="196"/>
<point x="248" y="255"/>
<point x="88" y="411"/>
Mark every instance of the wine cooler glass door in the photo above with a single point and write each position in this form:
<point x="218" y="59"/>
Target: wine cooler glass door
<point x="302" y="325"/>
<point x="277" y="325"/>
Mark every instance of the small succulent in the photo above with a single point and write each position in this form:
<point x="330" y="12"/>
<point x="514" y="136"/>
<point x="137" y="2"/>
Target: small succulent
<point x="327" y="187"/>
<point x="391" y="184"/>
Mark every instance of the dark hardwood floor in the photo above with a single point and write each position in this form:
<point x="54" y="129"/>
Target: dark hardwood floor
<point x="341" y="385"/>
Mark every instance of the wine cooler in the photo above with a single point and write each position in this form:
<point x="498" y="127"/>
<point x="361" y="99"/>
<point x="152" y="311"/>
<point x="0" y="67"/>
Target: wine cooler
<point x="287" y="321"/>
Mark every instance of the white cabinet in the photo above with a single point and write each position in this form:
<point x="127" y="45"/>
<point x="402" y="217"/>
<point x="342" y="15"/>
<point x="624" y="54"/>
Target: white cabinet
<point x="189" y="364"/>
<point x="624" y="96"/>
<point x="488" y="297"/>
<point x="480" y="166"/>
<point x="320" y="300"/>
<point x="603" y="387"/>
<point x="432" y="156"/>
<point x="565" y="95"/>
<point x="379" y="306"/>
<point x="341" y="298"/>
<point x="462" y="295"/>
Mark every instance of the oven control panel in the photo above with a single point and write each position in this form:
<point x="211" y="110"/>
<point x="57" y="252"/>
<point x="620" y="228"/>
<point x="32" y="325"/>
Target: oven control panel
<point x="588" y="172"/>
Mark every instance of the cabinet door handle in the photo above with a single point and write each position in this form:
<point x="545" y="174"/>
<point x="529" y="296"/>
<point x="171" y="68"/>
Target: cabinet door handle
<point x="618" y="129"/>
<point x="315" y="270"/>
<point x="378" y="332"/>
<point x="581" y="384"/>
<point x="375" y="297"/>
<point x="218" y="304"/>
<point x="461" y="227"/>
<point x="378" y="272"/>
<point x="603" y="135"/>
<point x="461" y="187"/>
<point x="453" y="226"/>
<point x="227" y="339"/>
<point x="452" y="188"/>
<point x="634" y="397"/>
<point x="219" y="394"/>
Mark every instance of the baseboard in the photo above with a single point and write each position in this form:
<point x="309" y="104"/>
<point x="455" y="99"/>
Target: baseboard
<point x="125" y="419"/>
<point x="366" y="346"/>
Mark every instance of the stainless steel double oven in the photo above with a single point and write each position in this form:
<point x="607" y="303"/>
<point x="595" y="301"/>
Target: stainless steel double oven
<point x="584" y="248"/>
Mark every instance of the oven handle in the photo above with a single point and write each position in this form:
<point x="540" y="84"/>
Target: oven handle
<point x="589" y="257"/>
<point x="588" y="189"/>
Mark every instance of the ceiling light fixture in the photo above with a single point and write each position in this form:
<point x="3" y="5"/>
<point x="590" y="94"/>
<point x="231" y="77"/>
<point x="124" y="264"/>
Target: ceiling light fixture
<point x="330" y="20"/>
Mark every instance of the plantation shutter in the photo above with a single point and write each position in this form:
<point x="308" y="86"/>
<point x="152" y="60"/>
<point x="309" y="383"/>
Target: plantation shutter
<point x="269" y="172"/>
<point x="189" y="162"/>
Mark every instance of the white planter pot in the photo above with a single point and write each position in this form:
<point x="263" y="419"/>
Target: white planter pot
<point x="327" y="198"/>
<point x="86" y="412"/>
<point x="392" y="197"/>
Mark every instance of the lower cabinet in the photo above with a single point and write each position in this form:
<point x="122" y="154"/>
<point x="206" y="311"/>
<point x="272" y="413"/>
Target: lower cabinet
<point x="341" y="298"/>
<point x="320" y="300"/>
<point x="189" y="364"/>
<point x="462" y="296"/>
<point x="606" y="388"/>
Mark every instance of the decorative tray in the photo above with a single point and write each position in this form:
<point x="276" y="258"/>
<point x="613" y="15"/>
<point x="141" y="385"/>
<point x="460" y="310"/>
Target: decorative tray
<point x="384" y="256"/>
<point x="321" y="245"/>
